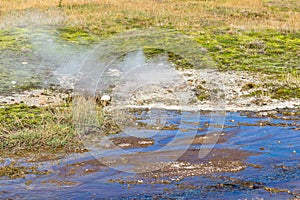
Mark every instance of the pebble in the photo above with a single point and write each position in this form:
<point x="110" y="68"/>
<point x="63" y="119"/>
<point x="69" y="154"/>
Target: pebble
<point x="105" y="98"/>
<point x="294" y="152"/>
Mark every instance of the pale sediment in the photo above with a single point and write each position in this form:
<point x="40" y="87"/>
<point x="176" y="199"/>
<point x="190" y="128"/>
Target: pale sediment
<point x="223" y="91"/>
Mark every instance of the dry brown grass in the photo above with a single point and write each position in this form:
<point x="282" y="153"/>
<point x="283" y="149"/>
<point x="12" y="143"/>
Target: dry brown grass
<point x="188" y="15"/>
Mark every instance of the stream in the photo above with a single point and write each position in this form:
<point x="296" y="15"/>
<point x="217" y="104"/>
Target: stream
<point x="256" y="157"/>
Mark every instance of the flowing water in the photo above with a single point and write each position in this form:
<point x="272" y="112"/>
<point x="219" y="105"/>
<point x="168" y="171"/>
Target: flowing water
<point x="266" y="144"/>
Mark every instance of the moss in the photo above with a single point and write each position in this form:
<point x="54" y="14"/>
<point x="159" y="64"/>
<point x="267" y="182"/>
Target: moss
<point x="180" y="62"/>
<point x="257" y="93"/>
<point x="152" y="52"/>
<point x="14" y="39"/>
<point x="18" y="116"/>
<point x="76" y="36"/>
<point x="268" y="51"/>
<point x="285" y="93"/>
<point x="177" y="60"/>
<point x="202" y="93"/>
<point x="23" y="52"/>
<point x="14" y="171"/>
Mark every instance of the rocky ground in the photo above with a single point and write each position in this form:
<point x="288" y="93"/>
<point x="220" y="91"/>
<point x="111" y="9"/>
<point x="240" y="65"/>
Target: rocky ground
<point x="205" y="89"/>
<point x="210" y="89"/>
<point x="39" y="97"/>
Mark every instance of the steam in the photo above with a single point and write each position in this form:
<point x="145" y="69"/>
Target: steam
<point x="40" y="51"/>
<point x="62" y="59"/>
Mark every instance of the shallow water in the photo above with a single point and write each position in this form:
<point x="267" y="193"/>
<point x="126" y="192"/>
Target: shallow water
<point x="270" y="151"/>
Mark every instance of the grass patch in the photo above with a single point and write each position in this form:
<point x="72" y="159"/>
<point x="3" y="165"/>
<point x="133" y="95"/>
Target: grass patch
<point x="27" y="54"/>
<point x="268" y="51"/>
<point x="173" y="58"/>
<point x="109" y="17"/>
<point x="279" y="92"/>
<point x="243" y="35"/>
<point x="31" y="128"/>
<point x="286" y="93"/>
<point x="37" y="128"/>
<point x="13" y="40"/>
<point x="280" y="86"/>
<point x="76" y="36"/>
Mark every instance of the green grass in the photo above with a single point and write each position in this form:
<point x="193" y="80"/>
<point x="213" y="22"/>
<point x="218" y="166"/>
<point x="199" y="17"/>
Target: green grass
<point x="268" y="51"/>
<point x="21" y="45"/>
<point x="37" y="128"/>
<point x="56" y="128"/>
<point x="76" y="36"/>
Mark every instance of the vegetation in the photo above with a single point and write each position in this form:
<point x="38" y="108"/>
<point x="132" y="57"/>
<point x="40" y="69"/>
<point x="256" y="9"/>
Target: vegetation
<point x="242" y="35"/>
<point x="36" y="128"/>
<point x="52" y="128"/>
<point x="254" y="35"/>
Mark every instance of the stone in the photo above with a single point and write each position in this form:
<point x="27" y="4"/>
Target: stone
<point x="105" y="99"/>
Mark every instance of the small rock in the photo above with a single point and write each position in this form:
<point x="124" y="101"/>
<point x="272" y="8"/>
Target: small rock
<point x="140" y="181"/>
<point x="105" y="99"/>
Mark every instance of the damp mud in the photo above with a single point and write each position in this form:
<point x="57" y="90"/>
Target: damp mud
<point x="248" y="160"/>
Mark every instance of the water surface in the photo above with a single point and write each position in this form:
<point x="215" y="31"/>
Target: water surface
<point x="269" y="146"/>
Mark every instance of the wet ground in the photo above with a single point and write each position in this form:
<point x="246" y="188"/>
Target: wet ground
<point x="255" y="155"/>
